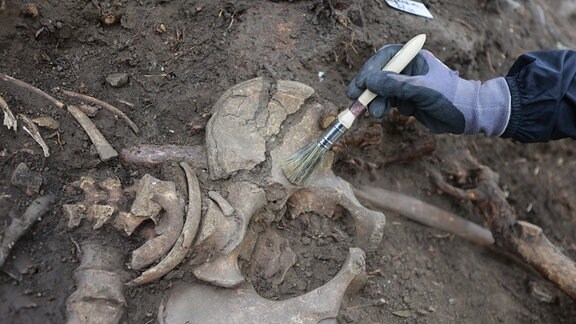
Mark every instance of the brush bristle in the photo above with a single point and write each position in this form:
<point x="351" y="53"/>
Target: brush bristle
<point x="300" y="165"/>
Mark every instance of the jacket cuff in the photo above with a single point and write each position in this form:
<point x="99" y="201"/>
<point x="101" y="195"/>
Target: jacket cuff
<point x="515" y="103"/>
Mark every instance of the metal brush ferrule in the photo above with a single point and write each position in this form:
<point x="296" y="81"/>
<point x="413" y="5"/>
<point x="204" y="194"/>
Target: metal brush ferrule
<point x="333" y="135"/>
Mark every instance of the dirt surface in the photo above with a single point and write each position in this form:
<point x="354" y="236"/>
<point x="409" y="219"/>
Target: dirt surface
<point x="180" y="56"/>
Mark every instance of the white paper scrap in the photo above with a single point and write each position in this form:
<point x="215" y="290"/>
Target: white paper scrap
<point x="409" y="6"/>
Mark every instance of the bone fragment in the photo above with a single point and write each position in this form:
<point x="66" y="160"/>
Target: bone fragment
<point x="104" y="149"/>
<point x="128" y="222"/>
<point x="20" y="225"/>
<point x="184" y="242"/>
<point x="148" y="154"/>
<point x="9" y="119"/>
<point x="224" y="205"/>
<point x="92" y="194"/>
<point x="143" y="205"/>
<point x="75" y="213"/>
<point x="47" y="121"/>
<point x="244" y="305"/>
<point x="98" y="297"/>
<point x="100" y="214"/>
<point x="171" y="224"/>
<point x="214" y="221"/>
<point x="32" y="130"/>
<point x="104" y="105"/>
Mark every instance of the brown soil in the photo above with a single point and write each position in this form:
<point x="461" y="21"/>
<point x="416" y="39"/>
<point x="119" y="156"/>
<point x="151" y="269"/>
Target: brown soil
<point x="417" y="275"/>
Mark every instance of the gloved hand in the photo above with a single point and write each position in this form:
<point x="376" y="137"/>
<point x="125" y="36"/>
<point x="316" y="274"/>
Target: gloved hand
<point x="435" y="95"/>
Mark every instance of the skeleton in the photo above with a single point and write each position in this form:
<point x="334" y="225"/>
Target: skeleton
<point x="254" y="127"/>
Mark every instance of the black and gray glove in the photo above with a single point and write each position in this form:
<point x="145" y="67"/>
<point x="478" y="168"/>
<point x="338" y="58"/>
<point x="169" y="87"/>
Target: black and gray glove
<point x="434" y="94"/>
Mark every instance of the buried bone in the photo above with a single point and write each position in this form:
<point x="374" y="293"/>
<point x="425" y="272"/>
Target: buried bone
<point x="163" y="195"/>
<point x="99" y="296"/>
<point x="243" y="305"/>
<point x="184" y="242"/>
<point x="100" y="202"/>
<point x="222" y="268"/>
<point x="255" y="127"/>
<point x="245" y="140"/>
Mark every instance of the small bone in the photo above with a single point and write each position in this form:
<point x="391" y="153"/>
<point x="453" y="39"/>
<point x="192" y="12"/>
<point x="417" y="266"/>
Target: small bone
<point x="212" y="221"/>
<point x="33" y="89"/>
<point x="151" y="155"/>
<point x="104" y="105"/>
<point x="92" y="194"/>
<point x="172" y="224"/>
<point x="244" y="305"/>
<point x="100" y="213"/>
<point x="32" y="130"/>
<point x="184" y="242"/>
<point x="9" y="119"/>
<point x="21" y="224"/>
<point x="104" y="149"/>
<point x="75" y="213"/>
<point x="143" y="205"/>
<point x="128" y="222"/>
<point x="224" y="205"/>
<point x="99" y="297"/>
<point x="47" y="121"/>
<point x="114" y="188"/>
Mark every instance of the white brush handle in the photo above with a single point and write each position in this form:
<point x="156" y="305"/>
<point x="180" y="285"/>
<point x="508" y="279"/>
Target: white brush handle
<point x="406" y="54"/>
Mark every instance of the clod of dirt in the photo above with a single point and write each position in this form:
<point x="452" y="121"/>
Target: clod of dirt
<point x="99" y="296"/>
<point x="117" y="80"/>
<point x="244" y="305"/>
<point x="272" y="257"/>
<point x="28" y="180"/>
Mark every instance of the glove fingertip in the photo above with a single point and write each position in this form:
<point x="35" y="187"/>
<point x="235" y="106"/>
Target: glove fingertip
<point x="353" y="92"/>
<point x="378" y="107"/>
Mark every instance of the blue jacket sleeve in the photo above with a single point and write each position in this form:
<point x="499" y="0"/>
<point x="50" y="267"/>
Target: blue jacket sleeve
<point x="543" y="97"/>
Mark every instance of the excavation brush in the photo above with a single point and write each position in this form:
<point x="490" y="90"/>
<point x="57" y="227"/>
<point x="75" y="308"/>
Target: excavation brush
<point x="300" y="165"/>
